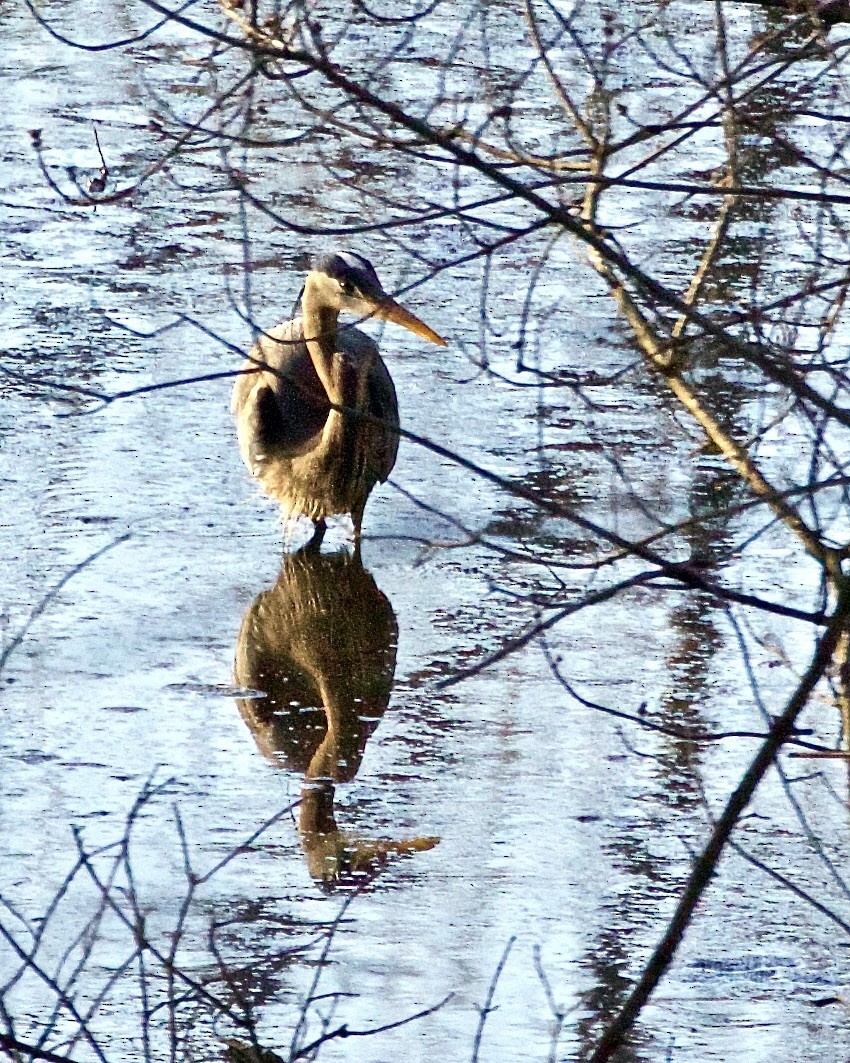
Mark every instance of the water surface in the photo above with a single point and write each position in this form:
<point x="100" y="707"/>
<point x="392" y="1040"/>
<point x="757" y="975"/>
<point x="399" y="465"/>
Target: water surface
<point x="537" y="817"/>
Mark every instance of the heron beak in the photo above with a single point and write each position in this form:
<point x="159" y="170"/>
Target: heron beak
<point x="390" y="310"/>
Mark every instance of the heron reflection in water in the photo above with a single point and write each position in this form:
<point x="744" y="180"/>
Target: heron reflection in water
<point x="321" y="646"/>
<point x="297" y="417"/>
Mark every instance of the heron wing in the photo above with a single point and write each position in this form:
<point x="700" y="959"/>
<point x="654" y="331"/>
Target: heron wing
<point x="279" y="409"/>
<point x="384" y="404"/>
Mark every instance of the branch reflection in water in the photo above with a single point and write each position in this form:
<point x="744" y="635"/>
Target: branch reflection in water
<point x="319" y="648"/>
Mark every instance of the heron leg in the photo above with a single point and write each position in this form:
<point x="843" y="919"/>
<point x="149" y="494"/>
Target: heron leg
<point x="357" y="519"/>
<point x="313" y="544"/>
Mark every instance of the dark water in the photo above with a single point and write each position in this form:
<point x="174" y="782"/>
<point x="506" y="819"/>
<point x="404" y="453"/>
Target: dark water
<point x="530" y="815"/>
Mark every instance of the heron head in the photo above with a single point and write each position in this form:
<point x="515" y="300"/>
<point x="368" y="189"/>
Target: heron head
<point x="349" y="282"/>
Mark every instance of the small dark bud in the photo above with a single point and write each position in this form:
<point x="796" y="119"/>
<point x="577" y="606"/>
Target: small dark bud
<point x="35" y="137"/>
<point x="97" y="184"/>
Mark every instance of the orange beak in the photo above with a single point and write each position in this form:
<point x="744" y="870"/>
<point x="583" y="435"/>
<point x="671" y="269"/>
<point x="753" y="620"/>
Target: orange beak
<point x="390" y="310"/>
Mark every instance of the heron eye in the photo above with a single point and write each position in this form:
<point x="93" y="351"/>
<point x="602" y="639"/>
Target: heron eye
<point x="346" y="287"/>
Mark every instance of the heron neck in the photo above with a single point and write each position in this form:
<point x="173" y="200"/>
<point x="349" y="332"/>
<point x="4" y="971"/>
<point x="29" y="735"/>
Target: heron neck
<point x="320" y="336"/>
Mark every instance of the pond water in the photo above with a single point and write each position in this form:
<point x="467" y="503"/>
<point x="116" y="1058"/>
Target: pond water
<point x="522" y="814"/>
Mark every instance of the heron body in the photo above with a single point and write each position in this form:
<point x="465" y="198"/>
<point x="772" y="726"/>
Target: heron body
<point x="316" y="409"/>
<point x="312" y="459"/>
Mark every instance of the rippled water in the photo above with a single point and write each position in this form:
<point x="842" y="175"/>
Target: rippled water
<point x="530" y="815"/>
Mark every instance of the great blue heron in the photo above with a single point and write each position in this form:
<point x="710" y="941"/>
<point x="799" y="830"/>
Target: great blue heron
<point x="321" y="646"/>
<point x="311" y="456"/>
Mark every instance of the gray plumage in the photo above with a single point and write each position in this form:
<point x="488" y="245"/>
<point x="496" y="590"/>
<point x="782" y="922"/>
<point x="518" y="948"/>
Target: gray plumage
<point x="310" y="458"/>
<point x="298" y="398"/>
